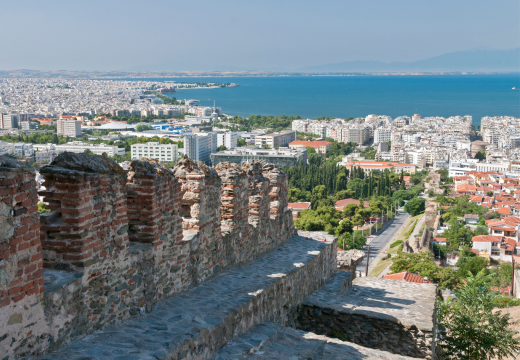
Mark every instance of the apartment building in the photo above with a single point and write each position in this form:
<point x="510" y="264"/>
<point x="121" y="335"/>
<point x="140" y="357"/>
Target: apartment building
<point x="44" y="156"/>
<point x="200" y="146"/>
<point x="281" y="157"/>
<point x="8" y="121"/>
<point x="382" y="135"/>
<point x="276" y="139"/>
<point x="98" y="149"/>
<point x="228" y="139"/>
<point x="68" y="127"/>
<point x="154" y="150"/>
<point x="359" y="135"/>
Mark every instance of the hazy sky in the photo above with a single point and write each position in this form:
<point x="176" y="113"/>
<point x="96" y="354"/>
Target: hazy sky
<point x="245" y="34"/>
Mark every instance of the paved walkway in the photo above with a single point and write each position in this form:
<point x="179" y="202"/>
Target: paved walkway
<point x="416" y="230"/>
<point x="198" y="322"/>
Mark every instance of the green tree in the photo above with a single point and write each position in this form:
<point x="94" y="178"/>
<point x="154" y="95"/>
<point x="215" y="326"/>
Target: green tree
<point x="241" y="142"/>
<point x="350" y="210"/>
<point x="87" y="151"/>
<point x="469" y="329"/>
<point x="141" y="128"/>
<point x="489" y="193"/>
<point x="474" y="265"/>
<point x="221" y="148"/>
<point x="42" y="209"/>
<point x="415" y="206"/>
<point x="481" y="155"/>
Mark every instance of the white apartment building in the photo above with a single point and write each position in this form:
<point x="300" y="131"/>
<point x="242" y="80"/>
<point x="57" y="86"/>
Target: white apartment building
<point x="358" y="135"/>
<point x="382" y="135"/>
<point x="200" y="146"/>
<point x="460" y="167"/>
<point x="98" y="149"/>
<point x="23" y="149"/>
<point x="276" y="139"/>
<point x="228" y="139"/>
<point x="70" y="128"/>
<point x="44" y="156"/>
<point x="154" y="150"/>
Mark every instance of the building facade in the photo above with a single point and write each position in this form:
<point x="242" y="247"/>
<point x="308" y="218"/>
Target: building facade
<point x="154" y="150"/>
<point x="70" y="128"/>
<point x="276" y="139"/>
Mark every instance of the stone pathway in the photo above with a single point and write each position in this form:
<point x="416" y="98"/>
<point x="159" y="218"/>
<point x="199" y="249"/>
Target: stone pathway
<point x="271" y="341"/>
<point x="195" y="324"/>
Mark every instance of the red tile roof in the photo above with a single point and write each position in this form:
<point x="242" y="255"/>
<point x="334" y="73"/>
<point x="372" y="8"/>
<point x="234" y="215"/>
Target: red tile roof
<point x="299" y="205"/>
<point x="487" y="238"/>
<point x="310" y="143"/>
<point x="406" y="276"/>
<point x="504" y="211"/>
<point x="342" y="203"/>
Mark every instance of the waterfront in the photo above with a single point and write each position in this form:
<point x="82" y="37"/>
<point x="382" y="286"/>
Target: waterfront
<point x="358" y="96"/>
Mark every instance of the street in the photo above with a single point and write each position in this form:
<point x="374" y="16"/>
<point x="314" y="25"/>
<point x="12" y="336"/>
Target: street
<point x="380" y="241"/>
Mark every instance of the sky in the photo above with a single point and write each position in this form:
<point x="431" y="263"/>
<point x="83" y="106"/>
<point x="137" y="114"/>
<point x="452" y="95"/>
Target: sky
<point x="245" y="34"/>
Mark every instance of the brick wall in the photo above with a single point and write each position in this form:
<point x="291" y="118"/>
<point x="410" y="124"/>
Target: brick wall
<point x="21" y="281"/>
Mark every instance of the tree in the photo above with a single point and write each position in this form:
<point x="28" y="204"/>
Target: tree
<point x="474" y="265"/>
<point x="415" y="206"/>
<point x="350" y="210"/>
<point x="221" y="148"/>
<point x="489" y="193"/>
<point x="310" y="150"/>
<point x="241" y="142"/>
<point x="345" y="226"/>
<point x="469" y="329"/>
<point x="141" y="128"/>
<point x="315" y="159"/>
<point x="87" y="151"/>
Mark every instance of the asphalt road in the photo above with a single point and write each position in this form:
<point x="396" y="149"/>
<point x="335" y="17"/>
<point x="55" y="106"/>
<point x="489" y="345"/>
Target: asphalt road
<point x="379" y="243"/>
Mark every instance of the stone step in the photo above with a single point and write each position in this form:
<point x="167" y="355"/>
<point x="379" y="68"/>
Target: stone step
<point x="391" y="315"/>
<point x="197" y="323"/>
<point x="274" y="341"/>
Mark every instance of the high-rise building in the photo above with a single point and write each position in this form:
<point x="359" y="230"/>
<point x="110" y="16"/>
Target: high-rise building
<point x="154" y="150"/>
<point x="8" y="121"/>
<point x="228" y="139"/>
<point x="200" y="146"/>
<point x="70" y="128"/>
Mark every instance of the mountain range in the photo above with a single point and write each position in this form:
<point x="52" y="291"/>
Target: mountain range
<point x="464" y="61"/>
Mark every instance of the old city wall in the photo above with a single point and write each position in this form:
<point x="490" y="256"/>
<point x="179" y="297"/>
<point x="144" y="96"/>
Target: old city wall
<point x="115" y="243"/>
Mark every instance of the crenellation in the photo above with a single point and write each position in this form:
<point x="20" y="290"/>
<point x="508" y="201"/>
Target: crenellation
<point x="88" y="221"/>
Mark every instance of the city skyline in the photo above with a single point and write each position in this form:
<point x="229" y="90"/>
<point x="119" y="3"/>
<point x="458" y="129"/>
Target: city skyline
<point x="231" y="35"/>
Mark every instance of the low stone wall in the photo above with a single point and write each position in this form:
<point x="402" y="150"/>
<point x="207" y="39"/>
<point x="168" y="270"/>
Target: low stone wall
<point x="390" y="315"/>
<point x="116" y="243"/>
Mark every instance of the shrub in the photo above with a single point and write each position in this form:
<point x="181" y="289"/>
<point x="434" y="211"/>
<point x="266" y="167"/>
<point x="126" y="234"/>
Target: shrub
<point x="396" y="243"/>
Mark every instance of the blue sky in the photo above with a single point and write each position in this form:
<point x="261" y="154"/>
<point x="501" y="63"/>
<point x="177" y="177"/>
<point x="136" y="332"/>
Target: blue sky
<point x="245" y="34"/>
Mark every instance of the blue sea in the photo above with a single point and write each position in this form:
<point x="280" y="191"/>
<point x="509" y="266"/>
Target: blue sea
<point x="358" y="96"/>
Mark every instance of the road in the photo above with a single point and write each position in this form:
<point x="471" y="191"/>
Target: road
<point x="381" y="240"/>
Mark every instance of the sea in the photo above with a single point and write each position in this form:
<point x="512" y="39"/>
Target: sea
<point x="359" y="96"/>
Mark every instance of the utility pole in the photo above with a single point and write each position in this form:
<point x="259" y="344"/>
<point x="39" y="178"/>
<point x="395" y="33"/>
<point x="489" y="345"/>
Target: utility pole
<point x="368" y="259"/>
<point x="513" y="278"/>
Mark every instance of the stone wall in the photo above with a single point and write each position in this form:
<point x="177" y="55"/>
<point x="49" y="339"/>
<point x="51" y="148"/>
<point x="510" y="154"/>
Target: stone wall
<point x="115" y="243"/>
<point x="391" y="315"/>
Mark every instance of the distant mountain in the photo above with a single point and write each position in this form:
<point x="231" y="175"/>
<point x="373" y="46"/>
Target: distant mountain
<point x="470" y="60"/>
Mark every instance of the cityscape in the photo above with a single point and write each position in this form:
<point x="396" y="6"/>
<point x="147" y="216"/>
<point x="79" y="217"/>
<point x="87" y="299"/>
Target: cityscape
<point x="260" y="181"/>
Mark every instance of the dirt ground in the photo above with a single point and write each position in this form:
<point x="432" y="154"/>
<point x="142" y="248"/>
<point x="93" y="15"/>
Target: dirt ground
<point x="515" y="323"/>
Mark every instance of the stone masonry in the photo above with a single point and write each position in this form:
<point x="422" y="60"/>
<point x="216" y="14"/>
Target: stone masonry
<point x="116" y="243"/>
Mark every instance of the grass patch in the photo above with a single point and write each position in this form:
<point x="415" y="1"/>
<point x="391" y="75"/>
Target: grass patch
<point x="396" y="243"/>
<point x="383" y="264"/>
<point x="339" y="335"/>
